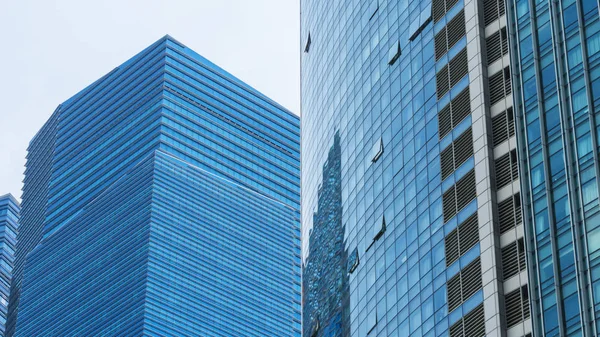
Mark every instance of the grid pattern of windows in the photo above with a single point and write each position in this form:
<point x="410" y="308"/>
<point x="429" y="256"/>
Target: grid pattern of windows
<point x="392" y="78"/>
<point x="165" y="169"/>
<point x="9" y="225"/>
<point x="556" y="48"/>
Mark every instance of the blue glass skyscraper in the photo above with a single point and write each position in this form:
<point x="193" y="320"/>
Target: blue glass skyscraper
<point x="411" y="212"/>
<point x="9" y="224"/>
<point x="556" y="45"/>
<point x="171" y="207"/>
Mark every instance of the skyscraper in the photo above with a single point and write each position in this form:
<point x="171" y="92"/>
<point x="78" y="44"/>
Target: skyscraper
<point x="171" y="207"/>
<point x="9" y="224"/>
<point x="409" y="171"/>
<point x="556" y="47"/>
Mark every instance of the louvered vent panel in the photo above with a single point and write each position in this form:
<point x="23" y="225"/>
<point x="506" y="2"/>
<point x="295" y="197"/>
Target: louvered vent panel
<point x="463" y="148"/>
<point x="451" y="246"/>
<point x="514" y="168"/>
<point x="493" y="45"/>
<point x="454" y="113"/>
<point x="461" y="239"/>
<point x="490" y="10"/>
<point x="468" y="234"/>
<point x="506" y="215"/>
<point x="504" y="36"/>
<point x="454" y="292"/>
<point x="471" y="279"/>
<point x="496" y="46"/>
<point x="472" y="325"/>
<point x="438" y="8"/>
<point x="525" y="302"/>
<point x="474" y="322"/>
<point x="499" y="129"/>
<point x="457" y="329"/>
<point x="456" y="29"/>
<point x="465" y="190"/>
<point x="507" y="81"/>
<point x="511" y="121"/>
<point x="503" y="171"/>
<point x="447" y="161"/>
<point x="450" y="4"/>
<point x="510" y="260"/>
<point x="461" y="106"/>
<point x="521" y="249"/>
<point x="457" y="153"/>
<point x="459" y="67"/>
<point x="442" y="81"/>
<point x="517" y="203"/>
<point x="464" y="284"/>
<point x="449" y="203"/>
<point x="517" y="306"/>
<point x="441" y="44"/>
<point x="445" y="121"/>
<point x="501" y="8"/>
<point x="496" y="85"/>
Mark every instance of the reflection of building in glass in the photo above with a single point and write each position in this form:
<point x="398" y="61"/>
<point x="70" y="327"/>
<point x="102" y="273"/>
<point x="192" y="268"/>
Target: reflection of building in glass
<point x="556" y="52"/>
<point x="168" y="205"/>
<point x="325" y="275"/>
<point x="9" y="224"/>
<point x="420" y="94"/>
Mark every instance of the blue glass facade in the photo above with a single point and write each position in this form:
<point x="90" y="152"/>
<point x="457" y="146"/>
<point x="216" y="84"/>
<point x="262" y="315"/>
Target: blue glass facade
<point x="181" y="184"/>
<point x="556" y="45"/>
<point x="9" y="225"/>
<point x="398" y="115"/>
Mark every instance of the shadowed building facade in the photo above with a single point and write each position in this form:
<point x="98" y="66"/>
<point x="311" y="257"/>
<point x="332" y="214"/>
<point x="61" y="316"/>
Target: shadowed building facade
<point x="169" y="206"/>
<point x="9" y="225"/>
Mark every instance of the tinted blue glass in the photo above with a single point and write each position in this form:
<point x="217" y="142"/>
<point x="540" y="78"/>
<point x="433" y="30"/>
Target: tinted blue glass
<point x="9" y="225"/>
<point x="371" y="175"/>
<point x="556" y="136"/>
<point x="181" y="184"/>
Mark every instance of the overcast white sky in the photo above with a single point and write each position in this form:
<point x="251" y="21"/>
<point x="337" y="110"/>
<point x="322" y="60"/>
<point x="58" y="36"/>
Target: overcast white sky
<point x="52" y="49"/>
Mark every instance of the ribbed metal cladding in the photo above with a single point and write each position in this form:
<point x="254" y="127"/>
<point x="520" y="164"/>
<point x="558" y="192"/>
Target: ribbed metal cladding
<point x="454" y="113"/>
<point x="459" y="195"/>
<point x="496" y="46"/>
<point x="461" y="239"/>
<point x="464" y="284"/>
<point x="509" y="213"/>
<point x="457" y="153"/>
<point x="451" y="73"/>
<point x="471" y="325"/>
<point x="499" y="85"/>
<point x="439" y="8"/>
<point x="503" y="126"/>
<point x="448" y="36"/>
<point x="492" y="10"/>
<point x="513" y="259"/>
<point x="517" y="306"/>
